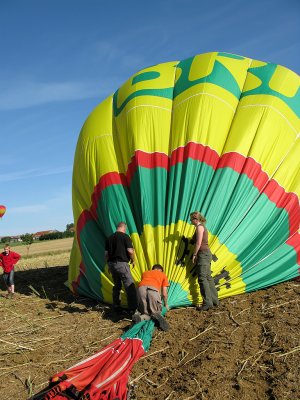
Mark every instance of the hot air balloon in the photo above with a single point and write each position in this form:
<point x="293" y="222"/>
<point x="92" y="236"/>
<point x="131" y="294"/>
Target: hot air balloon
<point x="2" y="211"/>
<point x="217" y="133"/>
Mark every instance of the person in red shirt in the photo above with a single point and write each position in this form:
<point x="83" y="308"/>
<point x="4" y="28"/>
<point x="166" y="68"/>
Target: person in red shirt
<point x="153" y="285"/>
<point x="8" y="259"/>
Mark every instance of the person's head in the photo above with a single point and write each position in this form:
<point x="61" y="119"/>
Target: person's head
<point x="158" y="267"/>
<point x="196" y="218"/>
<point x="121" y="227"/>
<point x="6" y="248"/>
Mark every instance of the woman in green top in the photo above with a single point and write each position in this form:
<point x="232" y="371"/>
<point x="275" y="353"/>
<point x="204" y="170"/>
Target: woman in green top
<point x="202" y="259"/>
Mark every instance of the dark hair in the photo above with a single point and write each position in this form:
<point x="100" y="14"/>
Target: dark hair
<point x="159" y="267"/>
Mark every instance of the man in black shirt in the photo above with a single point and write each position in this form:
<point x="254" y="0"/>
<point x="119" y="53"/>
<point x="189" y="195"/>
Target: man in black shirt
<point x="118" y="252"/>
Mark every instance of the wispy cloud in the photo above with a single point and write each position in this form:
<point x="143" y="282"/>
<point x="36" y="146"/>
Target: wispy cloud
<point x="32" y="173"/>
<point x="61" y="198"/>
<point x="48" y="213"/>
<point x="29" y="209"/>
<point x="29" y="93"/>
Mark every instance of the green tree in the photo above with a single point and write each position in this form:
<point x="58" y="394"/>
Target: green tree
<point x="28" y="240"/>
<point x="67" y="234"/>
<point x="52" y="236"/>
<point x="5" y="239"/>
<point x="69" y="226"/>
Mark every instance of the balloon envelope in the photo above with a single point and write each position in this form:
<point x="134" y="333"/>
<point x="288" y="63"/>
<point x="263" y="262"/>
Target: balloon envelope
<point x="216" y="133"/>
<point x="2" y="211"/>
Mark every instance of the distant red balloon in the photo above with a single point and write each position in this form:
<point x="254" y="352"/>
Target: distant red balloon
<point x="2" y="211"/>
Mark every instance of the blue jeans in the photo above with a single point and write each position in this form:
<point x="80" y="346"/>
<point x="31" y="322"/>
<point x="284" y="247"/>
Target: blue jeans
<point x="8" y="278"/>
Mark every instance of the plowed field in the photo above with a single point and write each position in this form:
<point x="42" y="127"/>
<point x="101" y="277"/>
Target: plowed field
<point x="248" y="348"/>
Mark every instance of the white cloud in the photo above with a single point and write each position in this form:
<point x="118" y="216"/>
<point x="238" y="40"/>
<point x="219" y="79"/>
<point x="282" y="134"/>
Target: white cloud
<point x="32" y="173"/>
<point x="61" y="198"/>
<point x="29" y="209"/>
<point x="25" y="94"/>
<point x="49" y="213"/>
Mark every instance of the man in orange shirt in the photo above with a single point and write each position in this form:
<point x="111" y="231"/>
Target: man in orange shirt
<point x="154" y="283"/>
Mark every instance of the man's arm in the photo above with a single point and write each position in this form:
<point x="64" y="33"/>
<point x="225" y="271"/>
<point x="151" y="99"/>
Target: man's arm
<point x="106" y="250"/>
<point x="130" y="252"/>
<point x="165" y="296"/>
<point x="129" y="248"/>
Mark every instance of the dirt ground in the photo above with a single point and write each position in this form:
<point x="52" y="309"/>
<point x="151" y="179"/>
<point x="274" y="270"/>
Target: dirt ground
<point x="248" y="348"/>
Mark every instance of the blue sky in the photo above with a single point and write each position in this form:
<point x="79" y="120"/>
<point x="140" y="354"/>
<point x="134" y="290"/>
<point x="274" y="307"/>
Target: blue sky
<point x="60" y="58"/>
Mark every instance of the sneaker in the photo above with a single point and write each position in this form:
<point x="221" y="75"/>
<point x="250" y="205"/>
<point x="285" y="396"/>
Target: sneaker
<point x="136" y="318"/>
<point x="160" y="321"/>
<point x="128" y="313"/>
<point x="203" y="308"/>
<point x="116" y="308"/>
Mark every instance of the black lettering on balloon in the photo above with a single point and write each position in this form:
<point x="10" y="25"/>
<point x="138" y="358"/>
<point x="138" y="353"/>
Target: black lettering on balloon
<point x="223" y="275"/>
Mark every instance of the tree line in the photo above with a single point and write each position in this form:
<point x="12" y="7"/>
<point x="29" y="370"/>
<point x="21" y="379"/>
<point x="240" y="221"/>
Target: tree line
<point x="28" y="238"/>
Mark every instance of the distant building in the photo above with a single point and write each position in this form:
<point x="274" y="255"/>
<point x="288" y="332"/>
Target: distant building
<point x="37" y="235"/>
<point x="15" y="239"/>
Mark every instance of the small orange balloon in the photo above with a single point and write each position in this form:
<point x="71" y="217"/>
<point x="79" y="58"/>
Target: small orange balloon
<point x="2" y="211"/>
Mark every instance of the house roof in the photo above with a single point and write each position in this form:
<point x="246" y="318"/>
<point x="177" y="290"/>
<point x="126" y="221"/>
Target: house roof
<point x="41" y="233"/>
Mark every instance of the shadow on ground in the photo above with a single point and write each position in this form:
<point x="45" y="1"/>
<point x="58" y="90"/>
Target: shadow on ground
<point x="49" y="283"/>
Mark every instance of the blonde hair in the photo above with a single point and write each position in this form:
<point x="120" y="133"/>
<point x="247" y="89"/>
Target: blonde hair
<point x="198" y="216"/>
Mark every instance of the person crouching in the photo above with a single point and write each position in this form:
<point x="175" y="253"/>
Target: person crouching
<point x="151" y="290"/>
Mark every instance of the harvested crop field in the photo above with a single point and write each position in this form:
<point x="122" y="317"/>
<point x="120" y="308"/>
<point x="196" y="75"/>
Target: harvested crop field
<point x="46" y="246"/>
<point x="248" y="348"/>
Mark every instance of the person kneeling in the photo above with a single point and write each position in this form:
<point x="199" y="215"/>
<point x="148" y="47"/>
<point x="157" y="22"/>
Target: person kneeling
<point x="152" y="287"/>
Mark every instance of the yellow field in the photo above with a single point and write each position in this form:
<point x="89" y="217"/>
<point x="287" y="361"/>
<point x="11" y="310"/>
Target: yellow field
<point x="45" y="246"/>
<point x="42" y="254"/>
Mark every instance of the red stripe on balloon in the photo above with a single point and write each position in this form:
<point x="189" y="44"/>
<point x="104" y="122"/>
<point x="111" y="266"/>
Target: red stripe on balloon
<point x="84" y="217"/>
<point x="234" y="161"/>
<point x="294" y="242"/>
<point x="112" y="178"/>
<point x="76" y="283"/>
